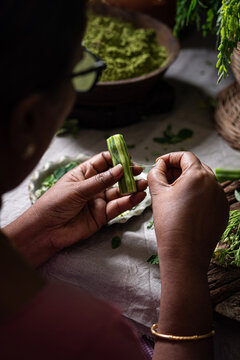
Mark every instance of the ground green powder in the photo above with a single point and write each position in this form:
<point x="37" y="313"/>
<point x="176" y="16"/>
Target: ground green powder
<point x="127" y="51"/>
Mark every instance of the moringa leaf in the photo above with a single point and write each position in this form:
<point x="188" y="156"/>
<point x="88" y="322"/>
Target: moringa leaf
<point x="69" y="127"/>
<point x="116" y="242"/>
<point x="170" y="138"/>
<point x="58" y="173"/>
<point x="154" y="260"/>
<point x="53" y="178"/>
<point x="49" y="180"/>
<point x="168" y="132"/>
<point x="150" y="225"/>
<point x="71" y="166"/>
<point x="185" y="133"/>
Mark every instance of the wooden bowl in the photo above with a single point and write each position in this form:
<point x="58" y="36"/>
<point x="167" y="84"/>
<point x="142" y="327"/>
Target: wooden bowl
<point x="130" y="90"/>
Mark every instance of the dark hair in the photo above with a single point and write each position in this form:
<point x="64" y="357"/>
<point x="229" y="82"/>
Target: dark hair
<point x="37" y="42"/>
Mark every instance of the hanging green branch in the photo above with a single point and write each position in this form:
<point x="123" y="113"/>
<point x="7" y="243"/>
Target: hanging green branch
<point x="221" y="17"/>
<point x="200" y="13"/>
<point x="229" y="31"/>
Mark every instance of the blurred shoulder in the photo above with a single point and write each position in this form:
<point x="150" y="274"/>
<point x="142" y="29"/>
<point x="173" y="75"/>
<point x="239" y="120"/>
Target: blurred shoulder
<point x="63" y="322"/>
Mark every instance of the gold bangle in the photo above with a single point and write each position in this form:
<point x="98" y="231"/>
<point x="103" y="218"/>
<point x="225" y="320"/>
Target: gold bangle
<point x="180" y="338"/>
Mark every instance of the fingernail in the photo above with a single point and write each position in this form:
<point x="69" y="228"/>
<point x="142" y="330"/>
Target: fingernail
<point x="117" y="170"/>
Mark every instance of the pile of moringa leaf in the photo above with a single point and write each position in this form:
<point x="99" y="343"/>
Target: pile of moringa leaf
<point x="228" y="250"/>
<point x="127" y="51"/>
<point x="54" y="177"/>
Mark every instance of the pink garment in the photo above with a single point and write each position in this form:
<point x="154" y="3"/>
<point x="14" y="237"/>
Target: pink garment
<point x="64" y="324"/>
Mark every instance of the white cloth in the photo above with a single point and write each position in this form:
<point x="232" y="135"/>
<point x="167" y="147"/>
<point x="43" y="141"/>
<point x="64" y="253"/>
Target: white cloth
<point x="122" y="275"/>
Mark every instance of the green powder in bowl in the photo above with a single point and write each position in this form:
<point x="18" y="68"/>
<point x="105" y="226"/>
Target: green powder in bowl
<point x="129" y="52"/>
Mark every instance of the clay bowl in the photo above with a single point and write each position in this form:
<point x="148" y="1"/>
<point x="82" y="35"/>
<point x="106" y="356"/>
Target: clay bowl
<point x="130" y="90"/>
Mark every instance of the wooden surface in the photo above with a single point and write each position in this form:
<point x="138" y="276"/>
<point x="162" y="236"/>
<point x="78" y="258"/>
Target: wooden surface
<point x="224" y="283"/>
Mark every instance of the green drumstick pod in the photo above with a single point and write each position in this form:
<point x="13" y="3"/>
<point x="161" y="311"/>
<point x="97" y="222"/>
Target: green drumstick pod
<point x="225" y="174"/>
<point x="119" y="153"/>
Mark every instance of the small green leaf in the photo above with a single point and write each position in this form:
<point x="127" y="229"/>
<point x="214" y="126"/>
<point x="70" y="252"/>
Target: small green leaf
<point x="237" y="195"/>
<point x="150" y="225"/>
<point x="175" y="140"/>
<point x="168" y="132"/>
<point x="131" y="146"/>
<point x="69" y="127"/>
<point x="58" y="173"/>
<point x="208" y="63"/>
<point x="53" y="178"/>
<point x="116" y="242"/>
<point x="71" y="166"/>
<point x="154" y="260"/>
<point x="50" y="180"/>
<point x="185" y="133"/>
<point x="170" y="138"/>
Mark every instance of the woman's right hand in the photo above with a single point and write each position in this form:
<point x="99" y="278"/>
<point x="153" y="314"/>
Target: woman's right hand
<point x="190" y="211"/>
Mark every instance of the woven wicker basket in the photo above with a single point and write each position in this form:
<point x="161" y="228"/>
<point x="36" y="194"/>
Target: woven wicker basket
<point x="227" y="115"/>
<point x="235" y="63"/>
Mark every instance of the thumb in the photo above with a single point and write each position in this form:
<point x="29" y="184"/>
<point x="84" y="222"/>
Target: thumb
<point x="157" y="177"/>
<point x="100" y="182"/>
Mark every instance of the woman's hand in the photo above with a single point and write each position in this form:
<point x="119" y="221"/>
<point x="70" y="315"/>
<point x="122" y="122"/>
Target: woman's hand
<point x="190" y="213"/>
<point x="78" y="205"/>
<point x="190" y="210"/>
<point x="81" y="202"/>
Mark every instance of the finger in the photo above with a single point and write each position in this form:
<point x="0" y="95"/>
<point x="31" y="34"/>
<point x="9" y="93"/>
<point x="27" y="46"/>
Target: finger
<point x="97" y="164"/>
<point x="98" y="183"/>
<point x="168" y="168"/>
<point x="158" y="175"/>
<point x="136" y="169"/>
<point x="102" y="161"/>
<point x="173" y="174"/>
<point x="209" y="170"/>
<point x="182" y="160"/>
<point x="114" y="193"/>
<point x="118" y="206"/>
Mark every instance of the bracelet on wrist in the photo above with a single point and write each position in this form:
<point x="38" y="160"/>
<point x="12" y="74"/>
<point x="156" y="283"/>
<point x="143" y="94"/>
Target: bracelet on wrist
<point x="170" y="337"/>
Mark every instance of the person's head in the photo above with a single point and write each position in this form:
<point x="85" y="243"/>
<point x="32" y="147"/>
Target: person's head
<point x="40" y="42"/>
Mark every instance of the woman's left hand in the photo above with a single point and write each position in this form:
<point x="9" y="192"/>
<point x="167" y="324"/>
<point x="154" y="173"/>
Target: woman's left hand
<point x="78" y="205"/>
